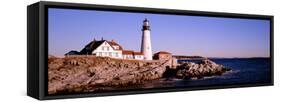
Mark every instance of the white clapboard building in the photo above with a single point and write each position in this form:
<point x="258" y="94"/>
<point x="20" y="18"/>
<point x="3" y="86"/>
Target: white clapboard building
<point x="105" y="48"/>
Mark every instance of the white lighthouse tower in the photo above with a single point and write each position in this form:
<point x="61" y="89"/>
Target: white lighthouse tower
<point x="146" y="48"/>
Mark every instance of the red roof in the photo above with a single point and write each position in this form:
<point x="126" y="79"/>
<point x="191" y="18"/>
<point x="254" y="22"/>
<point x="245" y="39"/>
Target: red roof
<point x="127" y="52"/>
<point x="113" y="43"/>
<point x="138" y="53"/>
<point x="130" y="52"/>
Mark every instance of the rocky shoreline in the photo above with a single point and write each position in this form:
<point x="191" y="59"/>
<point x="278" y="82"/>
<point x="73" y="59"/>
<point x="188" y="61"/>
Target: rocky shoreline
<point x="198" y="70"/>
<point x="92" y="74"/>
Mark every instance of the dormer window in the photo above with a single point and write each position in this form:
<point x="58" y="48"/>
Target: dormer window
<point x="116" y="47"/>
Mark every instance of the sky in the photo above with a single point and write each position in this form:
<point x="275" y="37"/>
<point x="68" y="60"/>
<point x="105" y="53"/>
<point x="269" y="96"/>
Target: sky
<point x="72" y="29"/>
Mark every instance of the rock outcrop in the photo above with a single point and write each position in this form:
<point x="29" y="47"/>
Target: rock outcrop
<point x="203" y="68"/>
<point x="87" y="74"/>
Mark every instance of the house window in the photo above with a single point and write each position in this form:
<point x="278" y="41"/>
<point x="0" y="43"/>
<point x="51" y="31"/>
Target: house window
<point x="100" y="53"/>
<point x="110" y="54"/>
<point x="102" y="48"/>
<point x="107" y="48"/>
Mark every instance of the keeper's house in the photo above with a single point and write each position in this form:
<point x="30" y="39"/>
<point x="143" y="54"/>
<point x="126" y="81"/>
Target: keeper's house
<point x="105" y="48"/>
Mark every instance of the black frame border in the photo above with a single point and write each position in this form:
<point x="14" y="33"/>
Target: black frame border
<point x="43" y="45"/>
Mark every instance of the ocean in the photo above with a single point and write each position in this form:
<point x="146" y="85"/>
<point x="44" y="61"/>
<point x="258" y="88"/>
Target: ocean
<point x="244" y="71"/>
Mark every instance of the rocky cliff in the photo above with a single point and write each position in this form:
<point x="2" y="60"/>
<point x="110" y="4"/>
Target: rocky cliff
<point x="91" y="74"/>
<point x="84" y="74"/>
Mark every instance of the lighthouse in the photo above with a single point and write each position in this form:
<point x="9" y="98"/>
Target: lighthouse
<point x="146" y="48"/>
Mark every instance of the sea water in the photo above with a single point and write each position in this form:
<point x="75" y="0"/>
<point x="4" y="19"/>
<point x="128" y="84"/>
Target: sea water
<point x="243" y="71"/>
